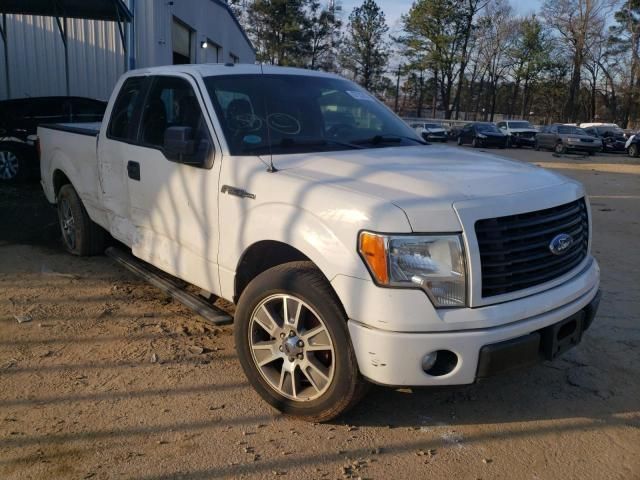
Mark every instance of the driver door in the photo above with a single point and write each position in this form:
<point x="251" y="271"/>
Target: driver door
<point x="173" y="201"/>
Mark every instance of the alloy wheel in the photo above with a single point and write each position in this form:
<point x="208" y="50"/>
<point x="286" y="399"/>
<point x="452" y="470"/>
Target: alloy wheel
<point x="67" y="222"/>
<point x="8" y="165"/>
<point x="291" y="347"/>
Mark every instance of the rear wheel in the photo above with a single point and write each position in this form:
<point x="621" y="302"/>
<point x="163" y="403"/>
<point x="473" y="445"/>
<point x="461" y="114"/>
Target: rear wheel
<point x="560" y="148"/>
<point x="14" y="165"/>
<point x="475" y="143"/>
<point x="81" y="236"/>
<point x="293" y="344"/>
<point x="634" y="151"/>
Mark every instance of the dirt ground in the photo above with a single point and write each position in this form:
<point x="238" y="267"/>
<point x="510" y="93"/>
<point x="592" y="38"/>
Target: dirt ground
<point x="111" y="379"/>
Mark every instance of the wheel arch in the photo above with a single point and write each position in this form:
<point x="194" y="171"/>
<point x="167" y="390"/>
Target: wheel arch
<point x="263" y="255"/>
<point x="59" y="178"/>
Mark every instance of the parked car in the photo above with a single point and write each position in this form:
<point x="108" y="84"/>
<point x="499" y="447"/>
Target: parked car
<point x="520" y="133"/>
<point x="564" y="138"/>
<point x="633" y="145"/>
<point x="612" y="137"/>
<point x="482" y="134"/>
<point x="228" y="178"/>
<point x="431" y="132"/>
<point x="19" y="120"/>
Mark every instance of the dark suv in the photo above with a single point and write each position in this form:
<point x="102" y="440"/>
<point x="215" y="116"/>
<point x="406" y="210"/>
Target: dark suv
<point x="613" y="139"/>
<point x="19" y="120"/>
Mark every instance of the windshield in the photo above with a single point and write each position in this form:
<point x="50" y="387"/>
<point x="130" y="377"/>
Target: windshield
<point x="486" y="127"/>
<point x="568" y="129"/>
<point x="263" y="114"/>
<point x="520" y="125"/>
<point x="610" y="131"/>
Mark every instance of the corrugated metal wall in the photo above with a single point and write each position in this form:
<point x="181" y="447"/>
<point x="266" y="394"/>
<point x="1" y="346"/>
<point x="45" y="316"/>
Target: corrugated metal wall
<point x="36" y="57"/>
<point x="96" y="61"/>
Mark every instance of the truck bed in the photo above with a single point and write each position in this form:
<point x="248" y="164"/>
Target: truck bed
<point x="89" y="128"/>
<point x="71" y="147"/>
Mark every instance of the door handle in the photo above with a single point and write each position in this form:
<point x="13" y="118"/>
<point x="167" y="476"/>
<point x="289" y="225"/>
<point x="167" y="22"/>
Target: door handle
<point x="133" y="170"/>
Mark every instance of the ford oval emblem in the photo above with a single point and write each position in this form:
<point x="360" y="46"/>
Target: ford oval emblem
<point x="560" y="244"/>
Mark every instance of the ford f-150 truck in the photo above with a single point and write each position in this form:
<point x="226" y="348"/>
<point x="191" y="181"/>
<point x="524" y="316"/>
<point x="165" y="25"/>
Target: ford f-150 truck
<point x="355" y="252"/>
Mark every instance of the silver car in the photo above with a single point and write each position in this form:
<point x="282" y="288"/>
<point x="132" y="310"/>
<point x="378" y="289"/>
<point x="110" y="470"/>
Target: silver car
<point x="565" y="138"/>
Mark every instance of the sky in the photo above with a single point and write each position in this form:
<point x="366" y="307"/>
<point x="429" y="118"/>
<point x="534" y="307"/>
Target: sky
<point x="393" y="9"/>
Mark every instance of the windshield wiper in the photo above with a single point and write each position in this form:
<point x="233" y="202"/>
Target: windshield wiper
<point x="391" y="138"/>
<point x="289" y="142"/>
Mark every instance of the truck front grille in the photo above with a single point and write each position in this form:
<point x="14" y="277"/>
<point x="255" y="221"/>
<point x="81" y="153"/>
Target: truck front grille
<point x="515" y="250"/>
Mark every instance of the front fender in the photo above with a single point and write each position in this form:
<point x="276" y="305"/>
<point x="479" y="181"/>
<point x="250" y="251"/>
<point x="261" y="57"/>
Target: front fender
<point x="327" y="237"/>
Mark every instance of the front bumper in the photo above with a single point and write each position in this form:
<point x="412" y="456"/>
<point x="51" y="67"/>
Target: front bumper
<point x="395" y="358"/>
<point x="523" y="141"/>
<point x="586" y="147"/>
<point x="493" y="141"/>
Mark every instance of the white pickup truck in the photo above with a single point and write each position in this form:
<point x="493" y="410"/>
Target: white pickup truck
<point x="355" y="252"/>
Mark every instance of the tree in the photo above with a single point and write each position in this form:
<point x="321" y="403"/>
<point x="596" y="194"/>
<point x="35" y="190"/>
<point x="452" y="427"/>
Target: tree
<point x="576" y="22"/>
<point x="624" y="40"/>
<point x="498" y="30"/>
<point x="434" y="36"/>
<point x="365" y="50"/>
<point x="531" y="57"/>
<point x="278" y="29"/>
<point x="323" y="34"/>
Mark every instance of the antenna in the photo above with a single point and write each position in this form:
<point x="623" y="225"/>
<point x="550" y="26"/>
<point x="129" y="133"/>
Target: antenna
<point x="271" y="168"/>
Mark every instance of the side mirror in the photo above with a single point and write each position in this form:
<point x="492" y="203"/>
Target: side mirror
<point x="178" y="143"/>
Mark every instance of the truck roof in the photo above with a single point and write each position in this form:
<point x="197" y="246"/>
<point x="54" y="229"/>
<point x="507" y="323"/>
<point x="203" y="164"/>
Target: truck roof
<point x="213" y="69"/>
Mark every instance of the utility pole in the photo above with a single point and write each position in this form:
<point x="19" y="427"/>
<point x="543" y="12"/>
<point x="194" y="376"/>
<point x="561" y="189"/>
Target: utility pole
<point x="397" y="88"/>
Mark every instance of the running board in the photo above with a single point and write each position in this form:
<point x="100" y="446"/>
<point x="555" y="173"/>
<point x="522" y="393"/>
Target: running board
<point x="170" y="287"/>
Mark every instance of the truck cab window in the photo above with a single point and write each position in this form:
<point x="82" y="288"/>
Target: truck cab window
<point x="171" y="102"/>
<point x="123" y="124"/>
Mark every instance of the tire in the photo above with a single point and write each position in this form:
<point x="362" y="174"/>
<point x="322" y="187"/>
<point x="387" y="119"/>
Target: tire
<point x="80" y="235"/>
<point x="509" y="142"/>
<point x="560" y="148"/>
<point x="536" y="146"/>
<point x="320" y="399"/>
<point x="475" y="143"/>
<point x="460" y="141"/>
<point x="14" y="163"/>
<point x="634" y="151"/>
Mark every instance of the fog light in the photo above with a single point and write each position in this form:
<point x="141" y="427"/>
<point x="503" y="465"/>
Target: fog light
<point x="429" y="360"/>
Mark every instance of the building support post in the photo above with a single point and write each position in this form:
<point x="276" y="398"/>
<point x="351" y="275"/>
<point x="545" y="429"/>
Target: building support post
<point x="62" y="27"/>
<point x="5" y="41"/>
<point x="123" y="29"/>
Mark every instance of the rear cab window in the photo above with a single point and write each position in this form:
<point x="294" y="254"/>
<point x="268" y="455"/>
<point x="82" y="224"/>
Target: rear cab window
<point x="123" y="124"/>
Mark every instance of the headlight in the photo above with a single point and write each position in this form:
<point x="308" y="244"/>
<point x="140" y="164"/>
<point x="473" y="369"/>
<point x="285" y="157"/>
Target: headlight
<point x="482" y="135"/>
<point x="433" y="263"/>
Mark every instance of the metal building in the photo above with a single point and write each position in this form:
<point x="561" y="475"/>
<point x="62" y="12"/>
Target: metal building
<point x="161" y="32"/>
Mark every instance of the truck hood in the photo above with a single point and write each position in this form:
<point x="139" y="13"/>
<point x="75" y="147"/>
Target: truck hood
<point x="523" y="130"/>
<point x="424" y="181"/>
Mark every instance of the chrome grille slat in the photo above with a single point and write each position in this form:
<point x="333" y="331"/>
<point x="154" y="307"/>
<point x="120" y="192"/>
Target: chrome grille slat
<point x="514" y="250"/>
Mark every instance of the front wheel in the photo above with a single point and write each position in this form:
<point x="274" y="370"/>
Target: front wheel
<point x="560" y="148"/>
<point x="634" y="151"/>
<point x="475" y="143"/>
<point x="293" y="344"/>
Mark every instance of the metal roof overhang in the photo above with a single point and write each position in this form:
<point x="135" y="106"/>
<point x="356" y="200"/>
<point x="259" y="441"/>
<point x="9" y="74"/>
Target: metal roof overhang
<point x="107" y="10"/>
<point x="61" y="10"/>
